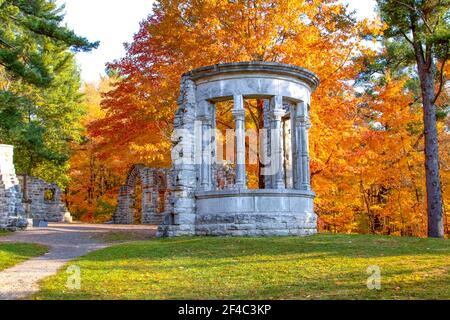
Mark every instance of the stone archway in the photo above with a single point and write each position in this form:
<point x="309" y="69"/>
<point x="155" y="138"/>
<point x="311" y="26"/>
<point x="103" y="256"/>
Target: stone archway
<point x="155" y="196"/>
<point x="158" y="196"/>
<point x="125" y="211"/>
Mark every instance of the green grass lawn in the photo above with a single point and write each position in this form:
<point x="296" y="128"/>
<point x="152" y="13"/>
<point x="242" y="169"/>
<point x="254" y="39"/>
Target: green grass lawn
<point x="4" y="233"/>
<point x="14" y="253"/>
<point x="317" y="267"/>
<point x="123" y="236"/>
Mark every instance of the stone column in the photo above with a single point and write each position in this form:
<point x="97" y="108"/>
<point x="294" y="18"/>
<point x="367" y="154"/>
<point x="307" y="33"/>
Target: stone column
<point x="181" y="221"/>
<point x="214" y="147"/>
<point x="287" y="149"/>
<point x="276" y="143"/>
<point x="206" y="153"/>
<point x="239" y="118"/>
<point x="266" y="153"/>
<point x="296" y="175"/>
<point x="302" y="161"/>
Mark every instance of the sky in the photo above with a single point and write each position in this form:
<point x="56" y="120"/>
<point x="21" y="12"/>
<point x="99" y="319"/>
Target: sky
<point x="114" y="22"/>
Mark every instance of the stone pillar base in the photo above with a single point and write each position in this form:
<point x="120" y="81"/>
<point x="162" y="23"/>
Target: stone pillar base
<point x="255" y="213"/>
<point x="12" y="214"/>
<point x="170" y="231"/>
<point x="16" y="224"/>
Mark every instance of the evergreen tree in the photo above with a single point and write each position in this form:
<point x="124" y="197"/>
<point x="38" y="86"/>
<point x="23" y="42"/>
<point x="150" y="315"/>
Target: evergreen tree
<point x="40" y="105"/>
<point x="419" y="31"/>
<point x="24" y="26"/>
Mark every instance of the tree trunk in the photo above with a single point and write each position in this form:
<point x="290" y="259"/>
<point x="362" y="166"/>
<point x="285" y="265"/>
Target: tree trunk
<point x="434" y="195"/>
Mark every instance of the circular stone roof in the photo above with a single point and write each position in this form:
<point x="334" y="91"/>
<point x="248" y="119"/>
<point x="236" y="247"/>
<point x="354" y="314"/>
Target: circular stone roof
<point x="302" y="74"/>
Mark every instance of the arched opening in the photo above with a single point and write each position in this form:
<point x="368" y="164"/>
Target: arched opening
<point x="137" y="201"/>
<point x="49" y="195"/>
<point x="161" y="185"/>
<point x="133" y="196"/>
<point x="145" y="198"/>
<point x="162" y="201"/>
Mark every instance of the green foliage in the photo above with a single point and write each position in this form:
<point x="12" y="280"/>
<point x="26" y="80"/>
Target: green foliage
<point x="412" y="25"/>
<point x="317" y="267"/>
<point x="41" y="122"/>
<point x="416" y="27"/>
<point x="26" y="25"/>
<point x="40" y="102"/>
<point x="103" y="211"/>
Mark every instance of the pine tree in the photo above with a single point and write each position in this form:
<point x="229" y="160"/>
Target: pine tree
<point x="40" y="106"/>
<point x="421" y="32"/>
<point x="25" y="25"/>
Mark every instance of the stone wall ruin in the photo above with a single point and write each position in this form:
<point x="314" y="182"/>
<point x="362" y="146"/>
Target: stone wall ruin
<point x="156" y="196"/>
<point x="43" y="201"/>
<point x="12" y="214"/>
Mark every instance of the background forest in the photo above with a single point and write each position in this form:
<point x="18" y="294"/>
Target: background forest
<point x="367" y="135"/>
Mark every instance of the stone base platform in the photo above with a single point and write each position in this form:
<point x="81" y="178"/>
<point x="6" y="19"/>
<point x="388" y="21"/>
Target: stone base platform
<point x="245" y="212"/>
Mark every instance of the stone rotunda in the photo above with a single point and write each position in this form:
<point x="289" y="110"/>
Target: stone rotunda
<point x="200" y="202"/>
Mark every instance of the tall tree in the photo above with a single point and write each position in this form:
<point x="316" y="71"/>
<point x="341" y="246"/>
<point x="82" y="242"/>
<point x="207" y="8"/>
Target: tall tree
<point x="94" y="182"/>
<point x="24" y="26"/>
<point x="40" y="107"/>
<point x="421" y="31"/>
<point x="181" y="35"/>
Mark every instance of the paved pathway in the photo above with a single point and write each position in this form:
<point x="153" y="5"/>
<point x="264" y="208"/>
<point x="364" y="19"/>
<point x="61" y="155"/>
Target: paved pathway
<point x="65" y="243"/>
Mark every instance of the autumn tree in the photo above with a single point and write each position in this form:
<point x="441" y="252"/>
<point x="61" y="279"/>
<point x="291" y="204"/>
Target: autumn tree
<point x="91" y="195"/>
<point x="366" y="146"/>
<point x="421" y="32"/>
<point x="181" y="35"/>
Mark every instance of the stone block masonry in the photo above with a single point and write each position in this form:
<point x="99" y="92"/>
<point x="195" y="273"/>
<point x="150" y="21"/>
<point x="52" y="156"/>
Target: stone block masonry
<point x="208" y="195"/>
<point x="12" y="214"/>
<point x="43" y="200"/>
<point x="156" y="196"/>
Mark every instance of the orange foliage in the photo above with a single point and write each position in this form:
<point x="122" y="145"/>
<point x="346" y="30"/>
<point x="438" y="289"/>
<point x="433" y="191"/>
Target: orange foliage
<point x="366" y="158"/>
<point x="92" y="193"/>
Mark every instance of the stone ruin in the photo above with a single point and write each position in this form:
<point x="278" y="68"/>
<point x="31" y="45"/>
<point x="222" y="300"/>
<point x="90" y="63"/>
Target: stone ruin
<point x="12" y="214"/>
<point x="42" y="201"/>
<point x="24" y="198"/>
<point x="155" y="196"/>
<point x="203" y="195"/>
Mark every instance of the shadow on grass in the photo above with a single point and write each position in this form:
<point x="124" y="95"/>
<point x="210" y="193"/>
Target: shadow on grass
<point x="321" y="246"/>
<point x="317" y="267"/>
<point x="349" y="285"/>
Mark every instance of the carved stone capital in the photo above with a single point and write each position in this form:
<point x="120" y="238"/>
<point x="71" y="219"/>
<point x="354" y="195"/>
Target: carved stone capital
<point x="277" y="114"/>
<point x="302" y="120"/>
<point x="205" y="119"/>
<point x="239" y="114"/>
